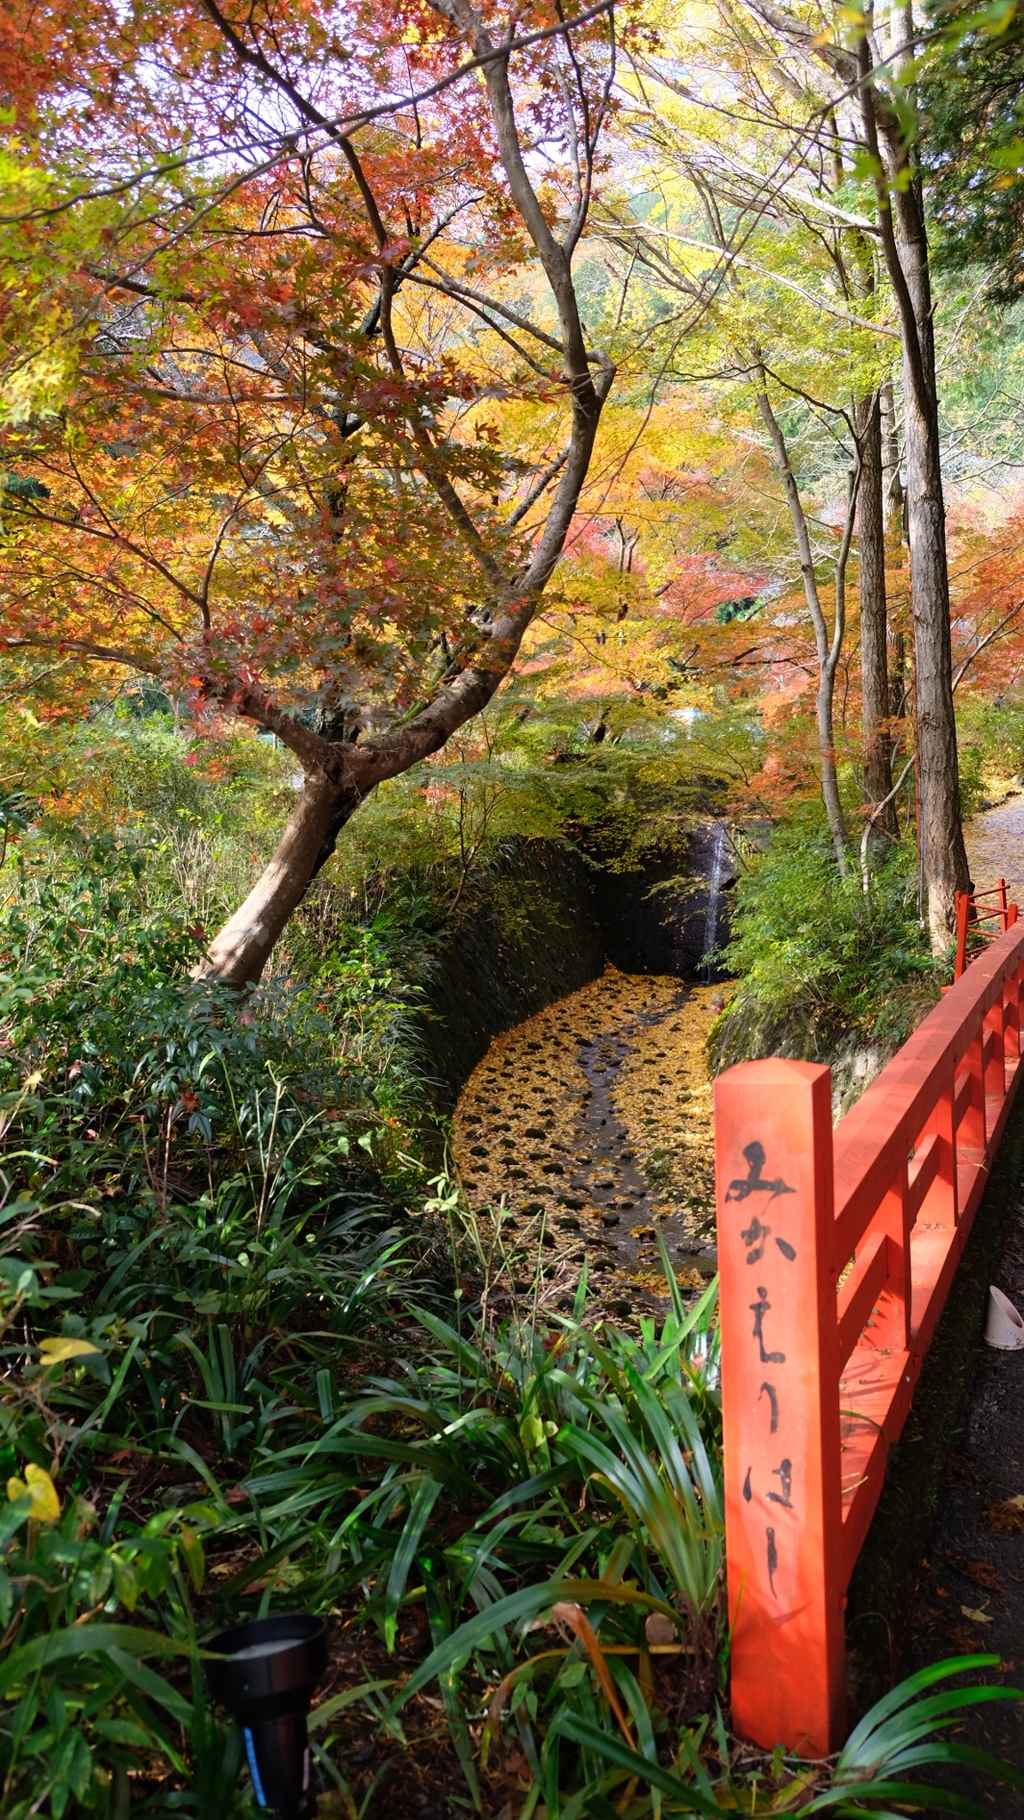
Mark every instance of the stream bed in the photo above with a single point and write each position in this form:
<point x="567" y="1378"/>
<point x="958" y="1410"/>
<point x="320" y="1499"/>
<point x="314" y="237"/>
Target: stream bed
<point x="587" y="1130"/>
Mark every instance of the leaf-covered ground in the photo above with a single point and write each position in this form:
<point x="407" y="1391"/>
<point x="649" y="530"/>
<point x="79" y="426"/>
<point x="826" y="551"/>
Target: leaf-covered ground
<point x="589" y="1129"/>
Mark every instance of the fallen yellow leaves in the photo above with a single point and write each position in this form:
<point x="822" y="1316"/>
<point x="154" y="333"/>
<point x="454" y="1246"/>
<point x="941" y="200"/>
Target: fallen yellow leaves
<point x="589" y="1126"/>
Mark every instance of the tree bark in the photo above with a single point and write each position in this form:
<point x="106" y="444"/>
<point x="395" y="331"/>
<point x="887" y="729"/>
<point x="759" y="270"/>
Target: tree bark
<point x="874" y="668"/>
<point x="905" y="242"/>
<point x="241" y="949"/>
<point x="828" y="650"/>
<point x="893" y="502"/>
<point x="338" y="776"/>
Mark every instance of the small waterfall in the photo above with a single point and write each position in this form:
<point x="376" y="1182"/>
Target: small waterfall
<point x="715" y="876"/>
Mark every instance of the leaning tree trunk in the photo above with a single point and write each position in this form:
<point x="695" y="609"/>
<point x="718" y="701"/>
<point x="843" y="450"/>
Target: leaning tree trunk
<point x="240" y="950"/>
<point x="874" y="668"/>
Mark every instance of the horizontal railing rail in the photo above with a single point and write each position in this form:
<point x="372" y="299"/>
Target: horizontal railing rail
<point x="973" y="912"/>
<point x="837" y="1250"/>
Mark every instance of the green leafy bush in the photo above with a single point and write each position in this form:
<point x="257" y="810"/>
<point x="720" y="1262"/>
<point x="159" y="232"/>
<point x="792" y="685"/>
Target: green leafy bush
<point x="138" y="1082"/>
<point x="820" y="961"/>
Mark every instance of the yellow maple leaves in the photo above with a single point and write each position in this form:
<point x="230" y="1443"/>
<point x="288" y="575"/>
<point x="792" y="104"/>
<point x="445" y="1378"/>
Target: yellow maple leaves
<point x="589" y="1128"/>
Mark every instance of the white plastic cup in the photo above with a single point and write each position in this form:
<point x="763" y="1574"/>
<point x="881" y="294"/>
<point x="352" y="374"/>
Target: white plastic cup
<point x="1004" y="1326"/>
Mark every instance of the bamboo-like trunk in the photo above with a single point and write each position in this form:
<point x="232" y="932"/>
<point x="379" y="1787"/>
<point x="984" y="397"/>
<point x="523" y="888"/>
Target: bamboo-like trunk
<point x="874" y="622"/>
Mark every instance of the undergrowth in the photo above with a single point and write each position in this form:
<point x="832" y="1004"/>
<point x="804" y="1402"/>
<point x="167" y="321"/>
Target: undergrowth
<point x="250" y="1365"/>
<point x="821" y="963"/>
<point x="512" y="1522"/>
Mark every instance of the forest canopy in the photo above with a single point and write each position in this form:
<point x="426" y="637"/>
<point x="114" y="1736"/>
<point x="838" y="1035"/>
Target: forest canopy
<point x="353" y="359"/>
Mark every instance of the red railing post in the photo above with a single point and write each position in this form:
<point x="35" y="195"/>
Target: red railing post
<point x="970" y="1140"/>
<point x="780" y="1403"/>
<point x="962" y="902"/>
<point x="995" y="1065"/>
<point x="1011" y="1020"/>
<point x="939" y="1206"/>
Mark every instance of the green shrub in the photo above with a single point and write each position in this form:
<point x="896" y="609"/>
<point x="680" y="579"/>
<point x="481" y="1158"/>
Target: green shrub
<point x="142" y="1081"/>
<point x="820" y="961"/>
<point x="991" y="735"/>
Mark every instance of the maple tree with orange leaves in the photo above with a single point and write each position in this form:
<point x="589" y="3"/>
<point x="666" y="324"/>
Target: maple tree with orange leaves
<point x="300" y="264"/>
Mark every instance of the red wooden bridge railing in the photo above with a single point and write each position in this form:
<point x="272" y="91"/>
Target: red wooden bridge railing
<point x="836" y="1251"/>
<point x="978" y="921"/>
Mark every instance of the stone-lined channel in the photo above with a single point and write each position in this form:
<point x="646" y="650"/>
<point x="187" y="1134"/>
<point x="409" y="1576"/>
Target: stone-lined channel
<point x="589" y="1127"/>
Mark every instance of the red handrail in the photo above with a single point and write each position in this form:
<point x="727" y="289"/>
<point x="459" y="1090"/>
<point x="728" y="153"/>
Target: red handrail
<point x="836" y="1252"/>
<point x="969" y="919"/>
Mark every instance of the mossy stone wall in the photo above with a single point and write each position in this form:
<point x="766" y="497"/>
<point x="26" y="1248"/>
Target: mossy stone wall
<point x="532" y="935"/>
<point x="542" y="923"/>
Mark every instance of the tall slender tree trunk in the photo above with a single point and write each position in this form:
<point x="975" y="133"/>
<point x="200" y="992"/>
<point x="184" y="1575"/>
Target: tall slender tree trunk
<point x="893" y="502"/>
<point x="945" y="858"/>
<point x="905" y="242"/>
<point x="828" y="649"/>
<point x="874" y="665"/>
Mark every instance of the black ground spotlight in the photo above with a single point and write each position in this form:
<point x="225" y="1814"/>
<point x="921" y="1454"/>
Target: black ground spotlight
<point x="265" y="1677"/>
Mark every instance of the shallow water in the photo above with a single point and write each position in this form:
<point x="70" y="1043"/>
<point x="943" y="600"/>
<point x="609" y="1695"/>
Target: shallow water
<point x="588" y="1128"/>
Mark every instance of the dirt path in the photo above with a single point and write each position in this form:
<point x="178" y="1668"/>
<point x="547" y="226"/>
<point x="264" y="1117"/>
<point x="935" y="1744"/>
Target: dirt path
<point x="589" y="1127"/>
<point x="995" y="847"/>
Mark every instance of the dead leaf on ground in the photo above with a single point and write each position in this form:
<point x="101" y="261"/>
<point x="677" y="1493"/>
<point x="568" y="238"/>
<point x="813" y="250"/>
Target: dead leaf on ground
<point x="1007" y="1516"/>
<point x="977" y="1617"/>
<point x="981" y="1572"/>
